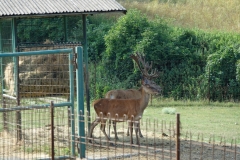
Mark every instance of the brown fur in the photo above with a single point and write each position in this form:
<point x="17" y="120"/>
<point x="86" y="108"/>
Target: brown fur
<point x="124" y="108"/>
<point x="117" y="110"/>
<point x="120" y="107"/>
<point x="123" y="94"/>
<point x="130" y="94"/>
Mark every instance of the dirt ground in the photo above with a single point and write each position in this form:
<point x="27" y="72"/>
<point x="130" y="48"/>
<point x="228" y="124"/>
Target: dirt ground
<point x="159" y="146"/>
<point x="154" y="145"/>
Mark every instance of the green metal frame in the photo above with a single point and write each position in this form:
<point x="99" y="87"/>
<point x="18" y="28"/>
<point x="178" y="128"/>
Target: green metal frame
<point x="85" y="46"/>
<point x="80" y="102"/>
<point x="0" y="36"/>
<point x="15" y="58"/>
<point x="1" y="73"/>
<point x="80" y="92"/>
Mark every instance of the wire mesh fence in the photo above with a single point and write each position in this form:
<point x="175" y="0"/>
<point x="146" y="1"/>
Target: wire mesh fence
<point x="158" y="142"/>
<point x="35" y="132"/>
<point x="207" y="147"/>
<point x="30" y="81"/>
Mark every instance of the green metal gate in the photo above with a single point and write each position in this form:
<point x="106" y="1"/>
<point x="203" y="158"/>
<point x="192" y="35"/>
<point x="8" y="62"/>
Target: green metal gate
<point x="28" y="86"/>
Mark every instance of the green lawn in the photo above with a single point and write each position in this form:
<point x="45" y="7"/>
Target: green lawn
<point x="214" y="118"/>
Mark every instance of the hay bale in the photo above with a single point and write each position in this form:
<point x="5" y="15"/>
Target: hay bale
<point x="40" y="75"/>
<point x="9" y="78"/>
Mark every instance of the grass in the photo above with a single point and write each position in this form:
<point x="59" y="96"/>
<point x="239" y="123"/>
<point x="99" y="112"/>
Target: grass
<point x="203" y="14"/>
<point x="219" y="119"/>
<point x="214" y="118"/>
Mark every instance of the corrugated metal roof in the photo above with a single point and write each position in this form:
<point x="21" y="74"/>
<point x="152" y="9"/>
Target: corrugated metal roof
<point x="20" y="8"/>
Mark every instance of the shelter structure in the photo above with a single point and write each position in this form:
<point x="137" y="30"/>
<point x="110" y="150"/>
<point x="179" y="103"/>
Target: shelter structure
<point x="13" y="11"/>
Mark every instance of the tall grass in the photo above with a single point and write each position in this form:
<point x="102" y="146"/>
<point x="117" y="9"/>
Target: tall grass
<point x="210" y="15"/>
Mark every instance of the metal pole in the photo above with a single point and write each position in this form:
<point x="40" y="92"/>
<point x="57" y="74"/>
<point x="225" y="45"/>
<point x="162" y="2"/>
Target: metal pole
<point x="16" y="81"/>
<point x="52" y="129"/>
<point x="1" y="37"/>
<point x="18" y="113"/>
<point x="178" y="137"/>
<point x="85" y="44"/>
<point x="72" y="117"/>
<point x="80" y="102"/>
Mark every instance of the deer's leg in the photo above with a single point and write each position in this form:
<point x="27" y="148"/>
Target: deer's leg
<point x="128" y="130"/>
<point x="93" y="125"/>
<point x="115" y="130"/>
<point x="136" y="128"/>
<point x="103" y="125"/>
<point x="130" y="125"/>
<point x="140" y="133"/>
<point x="109" y="128"/>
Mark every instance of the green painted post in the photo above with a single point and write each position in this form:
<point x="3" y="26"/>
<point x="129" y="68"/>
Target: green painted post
<point x="1" y="36"/>
<point x="0" y="53"/>
<point x="14" y="35"/>
<point x="71" y="78"/>
<point x="14" y="43"/>
<point x="80" y="101"/>
<point x="85" y="44"/>
<point x="16" y="80"/>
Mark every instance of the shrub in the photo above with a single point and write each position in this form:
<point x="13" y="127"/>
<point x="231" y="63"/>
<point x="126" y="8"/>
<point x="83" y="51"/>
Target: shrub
<point x="169" y="110"/>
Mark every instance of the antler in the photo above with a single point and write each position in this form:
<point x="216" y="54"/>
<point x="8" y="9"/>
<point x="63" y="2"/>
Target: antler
<point x="146" y="67"/>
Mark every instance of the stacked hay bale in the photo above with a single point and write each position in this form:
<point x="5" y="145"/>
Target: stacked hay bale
<point x="40" y="75"/>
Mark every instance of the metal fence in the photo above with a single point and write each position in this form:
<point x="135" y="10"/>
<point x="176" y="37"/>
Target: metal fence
<point x="43" y="137"/>
<point x="161" y="140"/>
<point x="29" y="82"/>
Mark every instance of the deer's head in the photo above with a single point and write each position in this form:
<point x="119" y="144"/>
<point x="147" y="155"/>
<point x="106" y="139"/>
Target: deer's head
<point x="147" y="74"/>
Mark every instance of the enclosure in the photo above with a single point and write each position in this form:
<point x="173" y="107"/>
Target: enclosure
<point x="44" y="84"/>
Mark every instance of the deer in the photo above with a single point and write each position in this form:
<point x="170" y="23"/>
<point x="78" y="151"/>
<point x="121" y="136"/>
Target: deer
<point x="133" y="93"/>
<point x="130" y="110"/>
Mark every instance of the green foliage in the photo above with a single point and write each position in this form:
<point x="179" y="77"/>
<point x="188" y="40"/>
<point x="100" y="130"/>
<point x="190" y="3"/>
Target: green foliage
<point x="39" y="29"/>
<point x="174" y="53"/>
<point x="222" y="73"/>
<point x="121" y="41"/>
<point x="100" y="83"/>
<point x="96" y="32"/>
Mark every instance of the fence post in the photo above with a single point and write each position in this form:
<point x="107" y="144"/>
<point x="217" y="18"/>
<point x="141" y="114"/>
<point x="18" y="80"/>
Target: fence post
<point x="80" y="101"/>
<point x="52" y="129"/>
<point x="5" y="126"/>
<point x="178" y="136"/>
<point x="18" y="113"/>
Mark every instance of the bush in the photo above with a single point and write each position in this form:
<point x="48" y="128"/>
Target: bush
<point x="169" y="110"/>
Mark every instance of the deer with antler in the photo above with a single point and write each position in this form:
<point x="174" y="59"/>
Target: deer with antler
<point x="134" y="93"/>
<point x="127" y="109"/>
